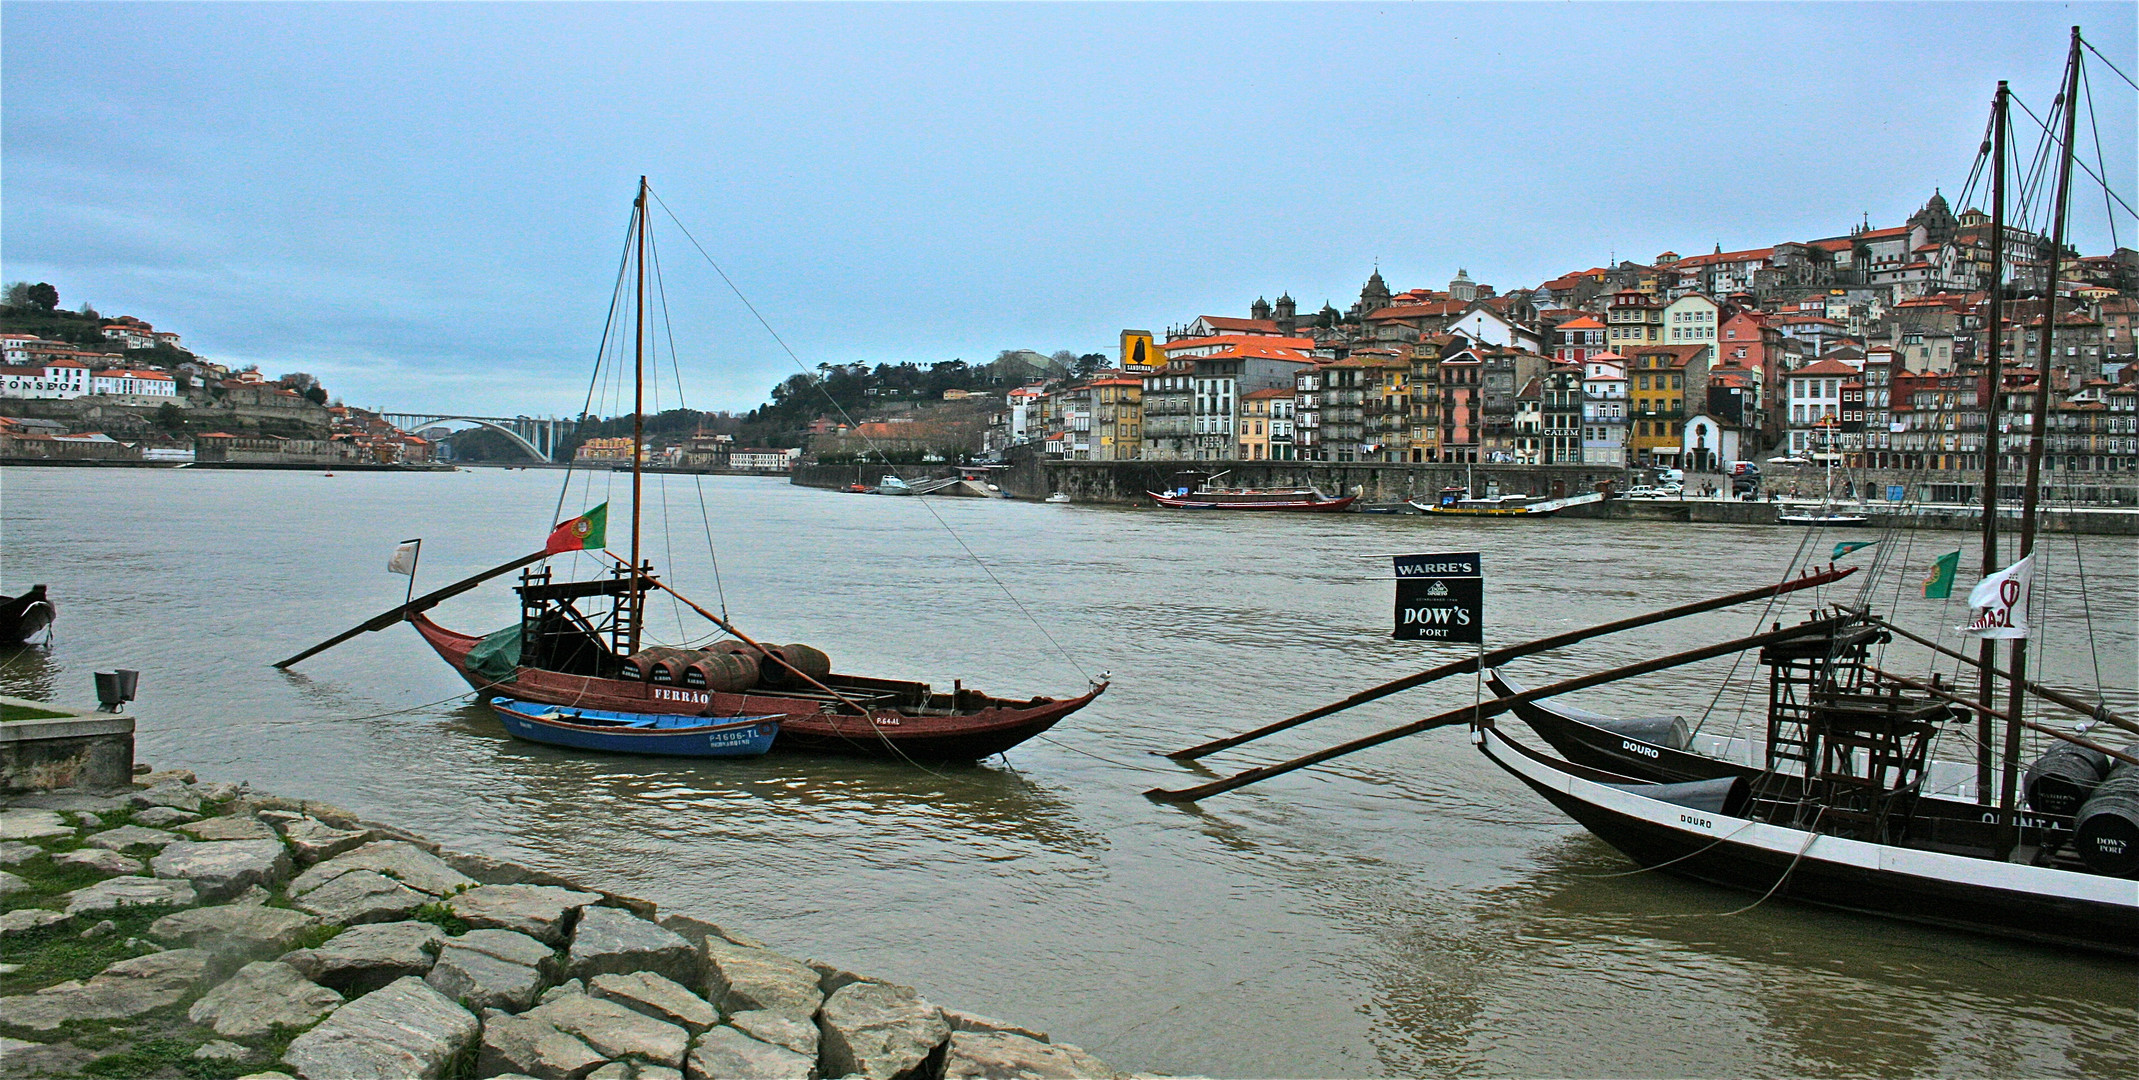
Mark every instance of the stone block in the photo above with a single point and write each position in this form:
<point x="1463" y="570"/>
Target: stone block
<point x="528" y="1046"/>
<point x="404" y="862"/>
<point x="965" y="1021"/>
<point x="363" y="959"/>
<point x="130" y="836"/>
<point x="402" y="1031"/>
<point x="615" y="1031"/>
<point x="19" y="823"/>
<point x="313" y="840"/>
<point x="260" y="996"/>
<point x="543" y="912"/>
<point x="727" y="1054"/>
<point x="997" y="1055"/>
<point x="362" y="896"/>
<point x="482" y="981"/>
<point x="221" y="869"/>
<point x="779" y="1029"/>
<point x="126" y="989"/>
<point x="101" y="860"/>
<point x="235" y="827"/>
<point x="160" y="816"/>
<point x="607" y="940"/>
<point x="882" y="1032"/>
<point x="114" y="893"/>
<point x="251" y="930"/>
<point x="24" y="920"/>
<point x="740" y="978"/>
<point x="661" y="998"/>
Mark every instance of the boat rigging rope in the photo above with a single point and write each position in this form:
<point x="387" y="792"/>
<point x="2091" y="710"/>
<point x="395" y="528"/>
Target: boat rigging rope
<point x="1765" y="610"/>
<point x="2105" y="62"/>
<point x="1812" y="833"/>
<point x="856" y="428"/>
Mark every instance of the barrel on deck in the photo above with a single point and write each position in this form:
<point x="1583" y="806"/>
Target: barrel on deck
<point x="724" y="672"/>
<point x="809" y="661"/>
<point x="2106" y="829"/>
<point x="2062" y="779"/>
<point x="656" y="665"/>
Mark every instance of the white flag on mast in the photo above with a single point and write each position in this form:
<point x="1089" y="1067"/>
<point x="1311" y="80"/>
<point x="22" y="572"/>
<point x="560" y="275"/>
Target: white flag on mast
<point x="1998" y="605"/>
<point x="404" y="558"/>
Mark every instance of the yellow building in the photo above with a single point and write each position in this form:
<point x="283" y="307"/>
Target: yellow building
<point x="1139" y="353"/>
<point x="1117" y="403"/>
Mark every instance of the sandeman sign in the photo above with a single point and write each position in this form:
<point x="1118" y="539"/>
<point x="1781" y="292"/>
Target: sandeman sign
<point x="1440" y="598"/>
<point x="1139" y="352"/>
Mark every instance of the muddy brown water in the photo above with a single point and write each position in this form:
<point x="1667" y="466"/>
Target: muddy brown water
<point x="1404" y="911"/>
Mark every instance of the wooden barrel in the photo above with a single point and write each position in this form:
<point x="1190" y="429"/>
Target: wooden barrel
<point x="2060" y="780"/>
<point x="811" y="662"/>
<point x="642" y="665"/>
<point x="2106" y="829"/>
<point x="724" y="672"/>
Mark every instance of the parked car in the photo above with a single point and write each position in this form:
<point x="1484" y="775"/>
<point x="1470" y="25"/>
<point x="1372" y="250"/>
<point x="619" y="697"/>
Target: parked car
<point x="1643" y="491"/>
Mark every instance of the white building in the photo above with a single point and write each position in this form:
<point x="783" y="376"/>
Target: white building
<point x="1482" y="322"/>
<point x="760" y="458"/>
<point x="1815" y="402"/>
<point x="133" y="383"/>
<point x="1692" y="320"/>
<point x="1710" y="445"/>
<point x="1604" y="410"/>
<point x="49" y="380"/>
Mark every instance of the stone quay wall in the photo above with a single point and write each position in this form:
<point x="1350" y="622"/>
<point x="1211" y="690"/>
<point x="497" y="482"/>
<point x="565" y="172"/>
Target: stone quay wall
<point x="180" y="928"/>
<point x="70" y="750"/>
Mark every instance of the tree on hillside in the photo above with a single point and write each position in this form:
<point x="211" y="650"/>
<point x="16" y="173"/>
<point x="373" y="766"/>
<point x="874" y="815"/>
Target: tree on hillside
<point x="1088" y="365"/>
<point x="18" y="294"/>
<point x="299" y="381"/>
<point x="42" y="295"/>
<point x="316" y="394"/>
<point x="89" y="312"/>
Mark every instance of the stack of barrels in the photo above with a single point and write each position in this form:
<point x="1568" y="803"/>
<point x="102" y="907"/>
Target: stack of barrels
<point x="729" y="667"/>
<point x="2102" y="801"/>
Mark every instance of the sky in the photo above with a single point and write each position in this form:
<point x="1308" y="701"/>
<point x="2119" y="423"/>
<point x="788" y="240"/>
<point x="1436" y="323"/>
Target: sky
<point x="424" y="204"/>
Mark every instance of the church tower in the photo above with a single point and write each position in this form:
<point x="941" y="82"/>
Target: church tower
<point x="1463" y="288"/>
<point x="1287" y="314"/>
<point x="1936" y="219"/>
<point x="1260" y="309"/>
<point x="1375" y="296"/>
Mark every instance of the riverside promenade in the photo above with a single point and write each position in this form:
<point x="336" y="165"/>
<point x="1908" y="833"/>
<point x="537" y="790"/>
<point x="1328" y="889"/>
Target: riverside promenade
<point x="205" y="930"/>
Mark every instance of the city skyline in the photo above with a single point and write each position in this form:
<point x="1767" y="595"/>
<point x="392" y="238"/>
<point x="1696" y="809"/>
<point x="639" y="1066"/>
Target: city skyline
<point x="386" y="198"/>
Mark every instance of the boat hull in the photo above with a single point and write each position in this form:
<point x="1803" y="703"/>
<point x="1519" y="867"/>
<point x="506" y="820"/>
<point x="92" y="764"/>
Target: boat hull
<point x="22" y="617"/>
<point x="749" y="736"/>
<point x="992" y="727"/>
<point x="2052" y="906"/>
<point x="1289" y="503"/>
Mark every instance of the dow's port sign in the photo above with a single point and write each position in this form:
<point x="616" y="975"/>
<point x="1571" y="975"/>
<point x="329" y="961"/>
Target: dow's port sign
<point x="1440" y="598"/>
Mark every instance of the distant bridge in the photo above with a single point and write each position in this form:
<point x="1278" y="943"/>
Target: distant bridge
<point x="540" y="436"/>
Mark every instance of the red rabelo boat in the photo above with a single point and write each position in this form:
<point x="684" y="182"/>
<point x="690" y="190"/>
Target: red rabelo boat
<point x="579" y="644"/>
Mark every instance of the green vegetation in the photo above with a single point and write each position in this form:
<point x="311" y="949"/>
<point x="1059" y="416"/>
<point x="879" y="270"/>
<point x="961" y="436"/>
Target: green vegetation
<point x="165" y="1055"/>
<point x="24" y="712"/>
<point x="59" y="952"/>
<point x="442" y="917"/>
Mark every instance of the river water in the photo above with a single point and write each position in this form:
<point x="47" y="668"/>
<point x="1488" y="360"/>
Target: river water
<point x="1405" y="911"/>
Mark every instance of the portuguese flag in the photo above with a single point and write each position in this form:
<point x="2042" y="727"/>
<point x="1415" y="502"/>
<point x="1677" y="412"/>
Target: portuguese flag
<point x="1938" y="584"/>
<point x="582" y="533"/>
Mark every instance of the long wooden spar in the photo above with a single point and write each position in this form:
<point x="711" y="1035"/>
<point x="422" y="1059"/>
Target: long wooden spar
<point x="768" y="653"/>
<point x="1497" y="706"/>
<point x="422" y="603"/>
<point x="1501" y="656"/>
<point x="1972" y="706"/>
<point x="2059" y="697"/>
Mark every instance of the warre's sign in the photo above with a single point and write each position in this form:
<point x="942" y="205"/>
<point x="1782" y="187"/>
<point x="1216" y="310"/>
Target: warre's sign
<point x="1440" y="598"/>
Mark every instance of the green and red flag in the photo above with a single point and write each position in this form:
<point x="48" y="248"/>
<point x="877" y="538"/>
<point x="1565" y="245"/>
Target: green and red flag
<point x="583" y="533"/>
<point x="1844" y="547"/>
<point x="1938" y="584"/>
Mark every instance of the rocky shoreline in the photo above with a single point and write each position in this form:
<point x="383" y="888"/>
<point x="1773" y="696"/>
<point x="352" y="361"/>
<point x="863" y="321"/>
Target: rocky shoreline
<point x="211" y="932"/>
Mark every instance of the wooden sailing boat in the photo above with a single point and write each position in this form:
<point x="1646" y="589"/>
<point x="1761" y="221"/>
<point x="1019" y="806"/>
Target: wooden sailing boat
<point x="1841" y="809"/>
<point x="578" y="646"/>
<point x="23" y="617"/>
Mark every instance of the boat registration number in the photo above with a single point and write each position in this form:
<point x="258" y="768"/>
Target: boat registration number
<point x="663" y="693"/>
<point x="1646" y="751"/>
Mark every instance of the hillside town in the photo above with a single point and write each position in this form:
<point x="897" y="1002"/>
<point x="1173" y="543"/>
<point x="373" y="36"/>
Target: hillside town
<point x="1866" y="346"/>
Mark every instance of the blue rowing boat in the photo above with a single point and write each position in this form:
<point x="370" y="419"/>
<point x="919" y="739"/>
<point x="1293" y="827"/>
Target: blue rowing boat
<point x="638" y="733"/>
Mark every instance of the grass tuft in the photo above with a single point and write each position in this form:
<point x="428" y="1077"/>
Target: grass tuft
<point x="441" y="916"/>
<point x="57" y="953"/>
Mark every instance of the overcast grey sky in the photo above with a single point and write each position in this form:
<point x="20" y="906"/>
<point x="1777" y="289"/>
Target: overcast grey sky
<point x="423" y="204"/>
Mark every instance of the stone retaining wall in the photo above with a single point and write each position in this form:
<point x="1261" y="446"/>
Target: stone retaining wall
<point x="224" y="931"/>
<point x="85" y="750"/>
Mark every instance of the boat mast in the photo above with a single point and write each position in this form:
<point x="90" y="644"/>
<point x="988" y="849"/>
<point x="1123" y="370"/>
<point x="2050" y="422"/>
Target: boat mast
<point x="1993" y="440"/>
<point x="638" y="419"/>
<point x="2037" y="426"/>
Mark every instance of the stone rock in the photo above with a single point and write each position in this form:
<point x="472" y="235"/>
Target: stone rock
<point x="314" y="840"/>
<point x="221" y="869"/>
<point x="162" y="815"/>
<point x="152" y="778"/>
<point x="615" y="1031"/>
<point x="564" y="989"/>
<point x="254" y="895"/>
<point x="482" y="981"/>
<point x="128" y="836"/>
<point x="661" y="998"/>
<point x="114" y="893"/>
<point x="532" y="1047"/>
<point x="509" y="947"/>
<point x="880" y="1031"/>
<point x="261" y="995"/>
<point x="539" y="911"/>
<point x="404" y="862"/>
<point x="365" y="958"/>
<point x="643" y="1071"/>
<point x="20" y="1057"/>
<point x="13" y="883"/>
<point x="169" y="796"/>
<point x="965" y="1021"/>
<point x="831" y="977"/>
<point x="14" y="851"/>
<point x="70" y="800"/>
<point x="267" y="1076"/>
<point x="491" y="871"/>
<point x="101" y="860"/>
<point x="220" y="791"/>
<point x="99" y="930"/>
<point x="218" y="1050"/>
<point x="405" y="1030"/>
<point x="277" y="810"/>
<point x="227" y="828"/>
<point x="615" y="1070"/>
<point x="727" y="1054"/>
<point x="607" y="940"/>
<point x="88" y="821"/>
<point x="998" y="1055"/>
<point x="362" y="896"/>
<point x="23" y="920"/>
<point x="697" y="931"/>
<point x="127" y="988"/>
<point x="22" y="823"/>
<point x="778" y="1029"/>
<point x="235" y="929"/>
<point x="739" y="978"/>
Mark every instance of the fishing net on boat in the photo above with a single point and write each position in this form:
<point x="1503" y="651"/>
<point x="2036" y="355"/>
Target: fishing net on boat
<point x="497" y="656"/>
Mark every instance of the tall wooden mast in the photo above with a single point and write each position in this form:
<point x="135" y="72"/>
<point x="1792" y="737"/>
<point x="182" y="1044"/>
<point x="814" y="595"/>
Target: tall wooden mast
<point x="2037" y="428"/>
<point x="1993" y="439"/>
<point x="638" y="416"/>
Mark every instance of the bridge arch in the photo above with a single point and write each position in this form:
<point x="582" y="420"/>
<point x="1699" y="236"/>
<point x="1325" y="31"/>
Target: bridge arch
<point x="412" y="421"/>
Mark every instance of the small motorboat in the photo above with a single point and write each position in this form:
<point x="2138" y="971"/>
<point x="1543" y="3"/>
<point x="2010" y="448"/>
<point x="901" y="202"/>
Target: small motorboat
<point x="857" y="489"/>
<point x="638" y="733"/>
<point x="1058" y="497"/>
<point x="22" y="617"/>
